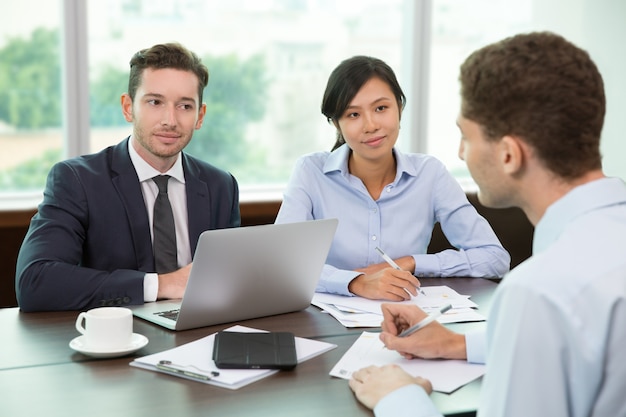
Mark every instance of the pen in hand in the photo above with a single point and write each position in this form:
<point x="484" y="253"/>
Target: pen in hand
<point x="393" y="264"/>
<point x="425" y="322"/>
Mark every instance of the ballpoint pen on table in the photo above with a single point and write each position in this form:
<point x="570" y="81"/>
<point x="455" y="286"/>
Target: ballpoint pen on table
<point x="392" y="263"/>
<point x="429" y="319"/>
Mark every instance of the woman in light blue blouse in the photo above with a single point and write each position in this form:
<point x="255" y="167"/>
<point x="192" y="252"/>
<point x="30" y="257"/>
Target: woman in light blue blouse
<point x="382" y="197"/>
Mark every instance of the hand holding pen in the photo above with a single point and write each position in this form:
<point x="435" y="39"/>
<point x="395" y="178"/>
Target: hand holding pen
<point x="425" y="322"/>
<point x="393" y="264"/>
<point x="428" y="339"/>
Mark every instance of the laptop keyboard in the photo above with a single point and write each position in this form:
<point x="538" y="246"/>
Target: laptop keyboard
<point x="171" y="314"/>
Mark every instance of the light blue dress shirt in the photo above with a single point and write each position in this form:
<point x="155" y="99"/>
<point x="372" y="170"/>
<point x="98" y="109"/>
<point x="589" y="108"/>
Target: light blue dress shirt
<point x="400" y="222"/>
<point x="557" y="330"/>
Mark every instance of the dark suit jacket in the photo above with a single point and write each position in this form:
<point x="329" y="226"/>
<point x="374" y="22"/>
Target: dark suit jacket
<point x="89" y="244"/>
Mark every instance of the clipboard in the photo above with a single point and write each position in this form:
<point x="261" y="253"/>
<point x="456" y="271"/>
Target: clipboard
<point x="192" y="361"/>
<point x="245" y="350"/>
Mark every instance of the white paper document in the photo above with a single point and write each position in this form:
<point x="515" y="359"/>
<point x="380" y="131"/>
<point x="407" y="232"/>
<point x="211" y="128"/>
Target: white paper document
<point x="363" y="312"/>
<point x="194" y="361"/>
<point x="445" y="375"/>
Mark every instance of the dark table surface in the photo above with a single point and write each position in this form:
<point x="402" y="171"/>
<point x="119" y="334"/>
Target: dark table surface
<point x="41" y="375"/>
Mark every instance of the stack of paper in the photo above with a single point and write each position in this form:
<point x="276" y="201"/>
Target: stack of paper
<point x="362" y="312"/>
<point x="445" y="375"/>
<point x="193" y="361"/>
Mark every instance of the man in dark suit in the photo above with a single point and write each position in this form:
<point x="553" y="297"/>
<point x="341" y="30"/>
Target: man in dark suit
<point x="91" y="242"/>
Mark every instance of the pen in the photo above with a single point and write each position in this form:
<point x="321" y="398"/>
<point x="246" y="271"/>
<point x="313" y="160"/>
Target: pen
<point x="166" y="366"/>
<point x="388" y="259"/>
<point x="425" y="322"/>
<point x="392" y="263"/>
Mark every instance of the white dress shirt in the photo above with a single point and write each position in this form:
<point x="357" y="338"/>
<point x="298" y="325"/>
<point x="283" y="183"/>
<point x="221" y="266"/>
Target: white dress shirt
<point x="557" y="329"/>
<point x="178" y="200"/>
<point x="400" y="221"/>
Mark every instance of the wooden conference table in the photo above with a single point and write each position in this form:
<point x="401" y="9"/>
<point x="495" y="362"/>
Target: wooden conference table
<point x="41" y="375"/>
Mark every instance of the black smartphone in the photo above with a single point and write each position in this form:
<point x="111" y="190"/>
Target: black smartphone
<point x="257" y="350"/>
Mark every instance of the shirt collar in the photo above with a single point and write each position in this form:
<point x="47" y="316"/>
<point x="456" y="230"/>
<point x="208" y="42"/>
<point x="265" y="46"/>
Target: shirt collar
<point x="145" y="171"/>
<point x="338" y="161"/>
<point x="580" y="200"/>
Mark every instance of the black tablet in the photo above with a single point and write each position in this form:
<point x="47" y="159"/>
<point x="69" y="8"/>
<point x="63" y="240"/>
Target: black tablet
<point x="240" y="350"/>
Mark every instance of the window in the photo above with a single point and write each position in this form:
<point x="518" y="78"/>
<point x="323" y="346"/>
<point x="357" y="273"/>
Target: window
<point x="460" y="26"/>
<point x="30" y="97"/>
<point x="269" y="61"/>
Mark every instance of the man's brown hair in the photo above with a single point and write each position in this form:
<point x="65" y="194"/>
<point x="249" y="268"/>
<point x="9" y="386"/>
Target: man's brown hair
<point x="168" y="55"/>
<point x="542" y="89"/>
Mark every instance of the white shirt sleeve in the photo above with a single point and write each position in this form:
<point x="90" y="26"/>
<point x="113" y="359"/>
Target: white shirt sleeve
<point x="408" y="401"/>
<point x="150" y="287"/>
<point x="476" y="346"/>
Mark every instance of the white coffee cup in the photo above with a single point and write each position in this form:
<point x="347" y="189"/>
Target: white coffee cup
<point x="106" y="328"/>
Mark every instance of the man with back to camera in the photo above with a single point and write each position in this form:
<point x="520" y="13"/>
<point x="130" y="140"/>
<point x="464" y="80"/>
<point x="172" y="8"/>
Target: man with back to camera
<point x="531" y="116"/>
<point x="91" y="242"/>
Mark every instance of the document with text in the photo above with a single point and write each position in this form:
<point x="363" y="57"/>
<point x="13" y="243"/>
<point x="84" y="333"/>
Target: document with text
<point x="445" y="375"/>
<point x="363" y="312"/>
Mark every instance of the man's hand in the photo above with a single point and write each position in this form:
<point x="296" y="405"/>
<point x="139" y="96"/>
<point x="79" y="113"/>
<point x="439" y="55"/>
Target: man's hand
<point x="432" y="341"/>
<point x="371" y="384"/>
<point x="173" y="284"/>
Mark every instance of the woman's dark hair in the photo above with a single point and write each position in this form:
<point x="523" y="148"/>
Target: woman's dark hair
<point x="543" y="89"/>
<point x="168" y="55"/>
<point x="347" y="79"/>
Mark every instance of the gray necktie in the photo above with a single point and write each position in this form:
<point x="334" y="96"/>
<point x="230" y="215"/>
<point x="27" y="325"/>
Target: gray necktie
<point x="164" y="244"/>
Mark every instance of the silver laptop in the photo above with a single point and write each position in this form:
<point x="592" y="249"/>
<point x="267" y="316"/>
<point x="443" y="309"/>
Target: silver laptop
<point x="247" y="272"/>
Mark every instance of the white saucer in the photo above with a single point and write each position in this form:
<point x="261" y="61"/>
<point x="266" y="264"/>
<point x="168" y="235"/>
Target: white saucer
<point x="138" y="341"/>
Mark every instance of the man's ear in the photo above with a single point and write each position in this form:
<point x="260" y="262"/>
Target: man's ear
<point x="127" y="107"/>
<point x="201" y="115"/>
<point x="511" y="155"/>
